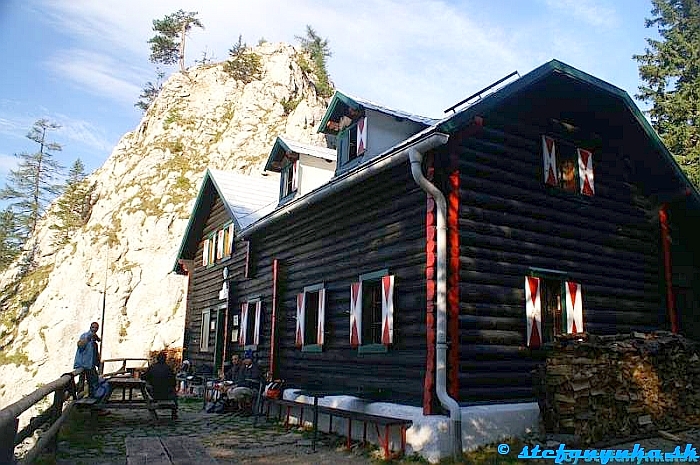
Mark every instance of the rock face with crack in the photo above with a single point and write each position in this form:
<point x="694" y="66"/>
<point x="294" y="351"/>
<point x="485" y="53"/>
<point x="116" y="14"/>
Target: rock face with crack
<point x="140" y="203"/>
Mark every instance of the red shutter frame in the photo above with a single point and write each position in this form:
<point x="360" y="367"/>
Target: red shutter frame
<point x="321" y="316"/>
<point x="533" y="311"/>
<point x="355" y="314"/>
<point x="585" y="172"/>
<point x="549" y="159"/>
<point x="387" y="309"/>
<point x="574" y="307"/>
<point x="244" y="324"/>
<point x="299" y="339"/>
<point x="258" y="318"/>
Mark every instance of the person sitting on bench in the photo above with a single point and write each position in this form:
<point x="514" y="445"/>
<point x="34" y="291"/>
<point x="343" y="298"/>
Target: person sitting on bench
<point x="161" y="381"/>
<point x="247" y="382"/>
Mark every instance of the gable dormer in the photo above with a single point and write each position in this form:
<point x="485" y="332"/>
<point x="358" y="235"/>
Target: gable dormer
<point x="363" y="129"/>
<point x="302" y="167"/>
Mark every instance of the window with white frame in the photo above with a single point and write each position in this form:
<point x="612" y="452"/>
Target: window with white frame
<point x="310" y="325"/>
<point x="218" y="245"/>
<point x="288" y="178"/>
<point x="205" y="331"/>
<point x="553" y="306"/>
<point x="352" y="141"/>
<point x="372" y="310"/>
<point x="250" y="323"/>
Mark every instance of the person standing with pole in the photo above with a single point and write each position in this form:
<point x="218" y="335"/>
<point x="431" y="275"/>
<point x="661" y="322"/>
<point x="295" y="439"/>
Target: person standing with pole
<point x="87" y="356"/>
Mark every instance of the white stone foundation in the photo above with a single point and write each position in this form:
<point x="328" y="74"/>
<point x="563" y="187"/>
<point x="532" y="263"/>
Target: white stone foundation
<point x="429" y="436"/>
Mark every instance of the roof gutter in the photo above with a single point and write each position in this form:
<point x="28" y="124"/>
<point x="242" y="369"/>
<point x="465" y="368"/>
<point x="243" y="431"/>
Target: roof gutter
<point x="416" y="158"/>
<point x="383" y="163"/>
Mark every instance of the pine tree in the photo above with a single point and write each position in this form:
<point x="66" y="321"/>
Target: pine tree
<point x="319" y="50"/>
<point x="73" y="208"/>
<point x="150" y="92"/>
<point x="31" y="186"/>
<point x="670" y="69"/>
<point x="168" y="45"/>
<point x="243" y="64"/>
<point x="10" y="240"/>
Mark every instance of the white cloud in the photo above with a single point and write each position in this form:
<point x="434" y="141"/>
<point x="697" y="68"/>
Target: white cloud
<point x="420" y="56"/>
<point x="588" y="11"/>
<point x="83" y="132"/>
<point x="99" y="74"/>
<point x="7" y="163"/>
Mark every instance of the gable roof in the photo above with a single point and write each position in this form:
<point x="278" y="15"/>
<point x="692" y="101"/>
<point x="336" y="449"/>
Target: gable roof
<point x="489" y="104"/>
<point x="340" y="99"/>
<point x="282" y="146"/>
<point x="245" y="198"/>
<point x="587" y="89"/>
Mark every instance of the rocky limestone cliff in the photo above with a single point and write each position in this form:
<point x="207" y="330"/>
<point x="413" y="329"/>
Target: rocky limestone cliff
<point x="143" y="196"/>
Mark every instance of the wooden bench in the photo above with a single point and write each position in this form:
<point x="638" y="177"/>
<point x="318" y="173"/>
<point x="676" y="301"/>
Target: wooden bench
<point x="378" y="421"/>
<point x="171" y="450"/>
<point x="166" y="404"/>
<point x="151" y="405"/>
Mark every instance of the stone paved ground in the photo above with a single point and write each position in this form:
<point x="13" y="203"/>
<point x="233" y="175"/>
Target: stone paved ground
<point x="235" y="440"/>
<point x="228" y="438"/>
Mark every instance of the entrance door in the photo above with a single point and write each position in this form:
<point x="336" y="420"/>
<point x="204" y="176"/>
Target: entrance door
<point x="220" y="342"/>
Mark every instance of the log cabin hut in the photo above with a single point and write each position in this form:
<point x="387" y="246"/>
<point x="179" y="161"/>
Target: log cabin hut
<point x="428" y="272"/>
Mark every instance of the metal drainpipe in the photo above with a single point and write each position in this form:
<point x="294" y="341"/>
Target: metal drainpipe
<point x="416" y="159"/>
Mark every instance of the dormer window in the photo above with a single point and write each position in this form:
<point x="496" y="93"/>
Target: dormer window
<point x="352" y="140"/>
<point x="288" y="179"/>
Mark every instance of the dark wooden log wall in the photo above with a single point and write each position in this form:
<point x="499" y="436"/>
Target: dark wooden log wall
<point x="509" y="221"/>
<point x="378" y="225"/>
<point x="203" y="291"/>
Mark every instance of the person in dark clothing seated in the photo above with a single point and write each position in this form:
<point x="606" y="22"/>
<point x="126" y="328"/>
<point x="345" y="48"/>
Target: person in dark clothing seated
<point x="231" y="373"/>
<point x="247" y="382"/>
<point x="161" y="381"/>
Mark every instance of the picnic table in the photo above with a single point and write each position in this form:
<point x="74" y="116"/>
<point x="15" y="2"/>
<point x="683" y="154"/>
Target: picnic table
<point x="122" y="389"/>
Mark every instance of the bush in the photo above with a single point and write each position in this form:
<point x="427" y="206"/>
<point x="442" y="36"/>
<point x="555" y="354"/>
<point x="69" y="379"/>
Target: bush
<point x="243" y="65"/>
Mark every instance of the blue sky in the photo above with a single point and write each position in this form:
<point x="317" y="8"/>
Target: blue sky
<point x="82" y="63"/>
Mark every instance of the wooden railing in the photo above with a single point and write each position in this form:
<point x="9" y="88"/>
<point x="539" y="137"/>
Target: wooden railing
<point x="62" y="388"/>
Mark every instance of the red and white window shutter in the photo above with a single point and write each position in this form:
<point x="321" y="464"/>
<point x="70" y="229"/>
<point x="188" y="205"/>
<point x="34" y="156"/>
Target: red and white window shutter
<point x="220" y="245"/>
<point x="300" y="320"/>
<point x="355" y="314"/>
<point x="321" y="316"/>
<point x="585" y="171"/>
<point x="549" y="157"/>
<point x="258" y="318"/>
<point x="533" y="311"/>
<point x="244" y="323"/>
<point x="229" y="240"/>
<point x="361" y="135"/>
<point x="205" y="252"/>
<point x="294" y="174"/>
<point x="387" y="309"/>
<point x="574" y="307"/>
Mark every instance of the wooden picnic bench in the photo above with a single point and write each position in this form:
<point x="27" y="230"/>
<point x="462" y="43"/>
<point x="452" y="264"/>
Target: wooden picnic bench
<point x="128" y="401"/>
<point x="168" y="450"/>
<point x="378" y="420"/>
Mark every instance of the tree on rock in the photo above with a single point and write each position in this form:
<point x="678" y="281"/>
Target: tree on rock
<point x="318" y="49"/>
<point x="73" y="208"/>
<point x="32" y="186"/>
<point x="10" y="239"/>
<point x="150" y="92"/>
<point x="670" y="69"/>
<point x="168" y="45"/>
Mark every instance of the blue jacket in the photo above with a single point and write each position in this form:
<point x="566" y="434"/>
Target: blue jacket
<point x="86" y="356"/>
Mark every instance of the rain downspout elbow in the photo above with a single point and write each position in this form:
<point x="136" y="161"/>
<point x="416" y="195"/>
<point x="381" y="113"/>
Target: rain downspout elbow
<point x="416" y="158"/>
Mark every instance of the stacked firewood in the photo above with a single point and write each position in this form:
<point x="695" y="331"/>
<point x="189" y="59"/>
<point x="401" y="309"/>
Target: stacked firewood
<point x="599" y="387"/>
